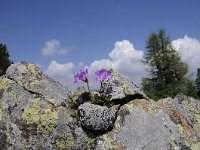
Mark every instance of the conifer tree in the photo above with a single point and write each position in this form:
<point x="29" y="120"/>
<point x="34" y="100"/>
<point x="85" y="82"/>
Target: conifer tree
<point x="197" y="83"/>
<point x="5" y="62"/>
<point x="167" y="71"/>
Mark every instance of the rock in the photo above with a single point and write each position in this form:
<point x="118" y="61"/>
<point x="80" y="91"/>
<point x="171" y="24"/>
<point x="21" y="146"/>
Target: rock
<point x="80" y="96"/>
<point x="3" y="136"/>
<point x="35" y="114"/>
<point x="34" y="80"/>
<point x="143" y="124"/>
<point x="184" y="111"/>
<point x="139" y="125"/>
<point x="96" y="117"/>
<point x="120" y="87"/>
<point x="31" y="117"/>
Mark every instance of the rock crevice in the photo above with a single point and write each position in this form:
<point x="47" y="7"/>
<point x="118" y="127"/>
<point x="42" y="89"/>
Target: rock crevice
<point x="30" y="118"/>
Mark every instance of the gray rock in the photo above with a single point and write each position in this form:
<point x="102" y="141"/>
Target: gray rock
<point x="32" y="116"/>
<point x="96" y="117"/>
<point x="34" y="80"/>
<point x="120" y="87"/>
<point x="148" y="132"/>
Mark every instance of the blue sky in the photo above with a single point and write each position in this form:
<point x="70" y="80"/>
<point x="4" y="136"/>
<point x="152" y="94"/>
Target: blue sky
<point x="62" y="36"/>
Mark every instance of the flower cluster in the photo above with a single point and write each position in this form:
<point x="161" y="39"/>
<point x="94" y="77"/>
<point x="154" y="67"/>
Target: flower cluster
<point x="81" y="76"/>
<point x="101" y="75"/>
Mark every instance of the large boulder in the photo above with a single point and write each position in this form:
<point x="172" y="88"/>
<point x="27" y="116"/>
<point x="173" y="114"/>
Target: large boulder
<point x="164" y="125"/>
<point x="31" y="112"/>
<point x="35" y="113"/>
<point x="32" y="79"/>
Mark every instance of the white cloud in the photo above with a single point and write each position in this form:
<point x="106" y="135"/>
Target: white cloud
<point x="52" y="48"/>
<point x="61" y="72"/>
<point x="124" y="58"/>
<point x="189" y="49"/>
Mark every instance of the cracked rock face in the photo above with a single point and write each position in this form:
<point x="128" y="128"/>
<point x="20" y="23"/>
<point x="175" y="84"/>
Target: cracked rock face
<point x="34" y="80"/>
<point x="32" y="116"/>
<point x="96" y="117"/>
<point x="120" y="87"/>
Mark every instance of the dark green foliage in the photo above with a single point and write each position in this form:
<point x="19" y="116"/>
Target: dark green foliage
<point x="72" y="105"/>
<point x="94" y="98"/>
<point x="4" y="59"/>
<point x="99" y="99"/>
<point x="197" y="83"/>
<point x="167" y="71"/>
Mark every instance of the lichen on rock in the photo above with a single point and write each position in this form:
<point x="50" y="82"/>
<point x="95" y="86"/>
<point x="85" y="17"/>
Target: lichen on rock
<point x="35" y="114"/>
<point x="95" y="117"/>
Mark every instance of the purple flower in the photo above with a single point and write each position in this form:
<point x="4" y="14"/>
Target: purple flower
<point x="81" y="76"/>
<point x="103" y="74"/>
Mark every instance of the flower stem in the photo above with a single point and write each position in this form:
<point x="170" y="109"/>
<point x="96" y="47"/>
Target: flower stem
<point x="100" y="90"/>
<point x="88" y="86"/>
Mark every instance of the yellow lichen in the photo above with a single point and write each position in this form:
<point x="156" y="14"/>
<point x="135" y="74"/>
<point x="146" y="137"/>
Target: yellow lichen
<point x="61" y="143"/>
<point x="65" y="143"/>
<point x="197" y="117"/>
<point x="51" y="100"/>
<point x="4" y="83"/>
<point x="90" y="141"/>
<point x="172" y="141"/>
<point x="3" y="108"/>
<point x="195" y="146"/>
<point x="31" y="68"/>
<point x="1" y="115"/>
<point x="117" y="124"/>
<point x="109" y="143"/>
<point x="180" y="128"/>
<point x="129" y="107"/>
<point x="45" y="118"/>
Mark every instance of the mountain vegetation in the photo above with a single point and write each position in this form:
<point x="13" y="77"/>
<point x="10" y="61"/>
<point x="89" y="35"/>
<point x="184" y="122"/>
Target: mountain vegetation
<point x="4" y="59"/>
<point x="167" y="72"/>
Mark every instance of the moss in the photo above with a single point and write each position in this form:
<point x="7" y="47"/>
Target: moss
<point x="65" y="143"/>
<point x="45" y="118"/>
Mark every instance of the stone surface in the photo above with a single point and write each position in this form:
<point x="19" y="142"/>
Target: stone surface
<point x="33" y="116"/>
<point x="96" y="117"/>
<point x="120" y="87"/>
<point x="143" y="124"/>
<point x="34" y="80"/>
